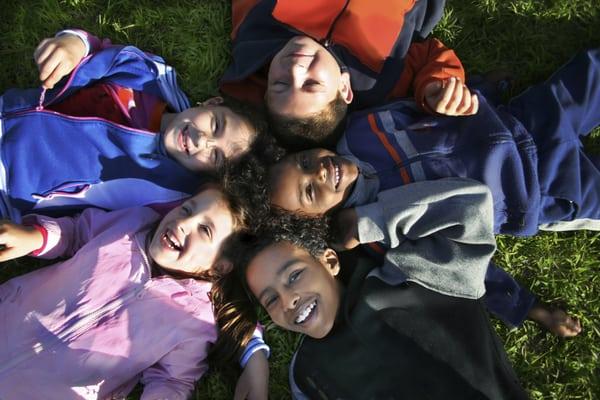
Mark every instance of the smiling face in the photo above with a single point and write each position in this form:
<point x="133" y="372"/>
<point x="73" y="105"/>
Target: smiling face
<point x="189" y="237"/>
<point x="299" y="292"/>
<point x="202" y="138"/>
<point x="313" y="181"/>
<point x="304" y="78"/>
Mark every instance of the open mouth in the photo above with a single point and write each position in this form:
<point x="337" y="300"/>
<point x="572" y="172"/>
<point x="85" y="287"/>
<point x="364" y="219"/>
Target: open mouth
<point x="183" y="138"/>
<point x="335" y="172"/>
<point x="171" y="241"/>
<point x="306" y="312"/>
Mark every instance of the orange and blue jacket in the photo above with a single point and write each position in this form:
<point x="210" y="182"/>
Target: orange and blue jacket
<point x="383" y="44"/>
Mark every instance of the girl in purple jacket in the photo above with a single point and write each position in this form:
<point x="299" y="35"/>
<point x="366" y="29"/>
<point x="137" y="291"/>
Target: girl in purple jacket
<point x="131" y="303"/>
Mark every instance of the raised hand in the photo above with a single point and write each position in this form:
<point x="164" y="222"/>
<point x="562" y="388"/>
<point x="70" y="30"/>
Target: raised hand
<point x="58" y="56"/>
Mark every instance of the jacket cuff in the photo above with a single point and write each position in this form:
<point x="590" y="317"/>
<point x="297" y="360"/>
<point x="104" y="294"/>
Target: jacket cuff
<point x="371" y="223"/>
<point x="80" y="34"/>
<point x="30" y="221"/>
<point x="255" y="344"/>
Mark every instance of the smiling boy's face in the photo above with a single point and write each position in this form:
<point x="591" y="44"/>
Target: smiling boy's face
<point x="313" y="182"/>
<point x="299" y="292"/>
<point x="189" y="237"/>
<point x="202" y="138"/>
<point x="304" y="78"/>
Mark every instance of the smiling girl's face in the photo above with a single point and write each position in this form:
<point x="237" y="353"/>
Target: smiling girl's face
<point x="189" y="237"/>
<point x="202" y="138"/>
<point x="299" y="292"/>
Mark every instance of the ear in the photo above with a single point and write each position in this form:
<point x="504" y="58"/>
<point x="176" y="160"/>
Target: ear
<point x="213" y="101"/>
<point x="346" y="88"/>
<point x="223" y="266"/>
<point x="330" y="260"/>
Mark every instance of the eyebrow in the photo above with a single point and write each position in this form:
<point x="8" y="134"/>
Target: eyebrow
<point x="284" y="267"/>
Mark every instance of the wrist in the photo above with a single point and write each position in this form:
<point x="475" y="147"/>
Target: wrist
<point x="38" y="237"/>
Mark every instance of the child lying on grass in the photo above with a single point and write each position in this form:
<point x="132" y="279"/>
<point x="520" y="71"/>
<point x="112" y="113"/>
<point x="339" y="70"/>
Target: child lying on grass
<point x="529" y="153"/>
<point x="310" y="60"/>
<point x="117" y="133"/>
<point x="130" y="304"/>
<point x="412" y="327"/>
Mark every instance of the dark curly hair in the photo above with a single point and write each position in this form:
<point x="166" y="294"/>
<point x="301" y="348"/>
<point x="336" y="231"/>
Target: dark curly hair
<point x="322" y="129"/>
<point x="249" y="176"/>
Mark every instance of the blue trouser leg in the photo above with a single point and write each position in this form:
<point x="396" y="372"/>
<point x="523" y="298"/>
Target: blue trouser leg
<point x="505" y="298"/>
<point x="558" y="113"/>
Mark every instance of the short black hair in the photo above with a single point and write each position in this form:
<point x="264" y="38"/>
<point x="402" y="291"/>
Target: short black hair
<point x="321" y="129"/>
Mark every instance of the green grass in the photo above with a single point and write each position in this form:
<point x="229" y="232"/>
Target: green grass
<point x="530" y="38"/>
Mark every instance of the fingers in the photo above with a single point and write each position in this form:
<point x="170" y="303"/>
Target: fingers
<point x="41" y="51"/>
<point x="56" y="57"/>
<point x="455" y="99"/>
<point x="9" y="253"/>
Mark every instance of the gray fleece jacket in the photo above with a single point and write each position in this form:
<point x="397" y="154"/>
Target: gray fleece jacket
<point x="440" y="234"/>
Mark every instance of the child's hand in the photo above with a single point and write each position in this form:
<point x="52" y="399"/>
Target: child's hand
<point x="451" y="97"/>
<point x="57" y="57"/>
<point x="18" y="240"/>
<point x="345" y="236"/>
<point x="253" y="383"/>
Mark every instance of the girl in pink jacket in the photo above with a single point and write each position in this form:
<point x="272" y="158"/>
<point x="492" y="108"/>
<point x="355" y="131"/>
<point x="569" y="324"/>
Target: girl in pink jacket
<point x="130" y="303"/>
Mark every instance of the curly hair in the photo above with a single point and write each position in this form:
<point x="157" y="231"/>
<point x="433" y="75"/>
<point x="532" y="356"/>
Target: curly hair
<point x="321" y="129"/>
<point x="249" y="177"/>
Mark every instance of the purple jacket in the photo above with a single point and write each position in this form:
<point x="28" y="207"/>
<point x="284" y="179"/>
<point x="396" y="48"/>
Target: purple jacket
<point x="94" y="325"/>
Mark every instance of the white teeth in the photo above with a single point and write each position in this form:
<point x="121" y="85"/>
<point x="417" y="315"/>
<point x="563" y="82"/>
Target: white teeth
<point x="172" y="241"/>
<point x="337" y="175"/>
<point x="185" y="140"/>
<point x="305" y="313"/>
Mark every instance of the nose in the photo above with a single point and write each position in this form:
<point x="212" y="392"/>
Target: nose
<point x="205" y="142"/>
<point x="322" y="173"/>
<point x="298" y="70"/>
<point x="183" y="225"/>
<point x="291" y="301"/>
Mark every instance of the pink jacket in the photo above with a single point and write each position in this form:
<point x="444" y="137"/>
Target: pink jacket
<point x="94" y="325"/>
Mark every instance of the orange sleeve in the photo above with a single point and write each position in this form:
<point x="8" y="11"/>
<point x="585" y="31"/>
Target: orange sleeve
<point x="427" y="61"/>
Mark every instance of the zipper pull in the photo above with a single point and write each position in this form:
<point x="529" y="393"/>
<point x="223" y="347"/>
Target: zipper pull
<point x="41" y="102"/>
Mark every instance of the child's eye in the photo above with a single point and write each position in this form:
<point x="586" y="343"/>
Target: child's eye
<point x="294" y="276"/>
<point x="216" y="157"/>
<point x="311" y="82"/>
<point x="205" y="229"/>
<point x="216" y="124"/>
<point x="185" y="210"/>
<point x="304" y="162"/>
<point x="310" y="192"/>
<point x="270" y="301"/>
